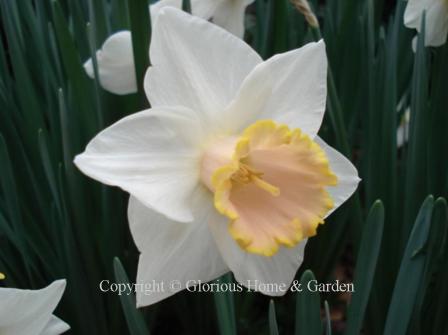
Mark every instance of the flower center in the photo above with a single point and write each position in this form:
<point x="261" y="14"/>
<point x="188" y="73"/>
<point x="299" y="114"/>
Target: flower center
<point x="271" y="183"/>
<point x="246" y="175"/>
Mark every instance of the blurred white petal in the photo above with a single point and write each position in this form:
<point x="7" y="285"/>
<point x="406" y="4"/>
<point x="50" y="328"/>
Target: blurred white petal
<point x="205" y="8"/>
<point x="29" y="312"/>
<point x="115" y="59"/>
<point x="115" y="64"/>
<point x="436" y="20"/>
<point x="436" y="24"/>
<point x="230" y="16"/>
<point x="403" y="129"/>
<point x="156" y="7"/>
<point x="414" y="11"/>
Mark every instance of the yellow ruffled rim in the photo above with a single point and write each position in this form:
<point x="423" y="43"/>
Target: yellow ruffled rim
<point x="222" y="182"/>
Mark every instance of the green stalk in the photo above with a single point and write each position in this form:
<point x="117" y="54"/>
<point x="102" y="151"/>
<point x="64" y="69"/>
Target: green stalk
<point x="141" y="37"/>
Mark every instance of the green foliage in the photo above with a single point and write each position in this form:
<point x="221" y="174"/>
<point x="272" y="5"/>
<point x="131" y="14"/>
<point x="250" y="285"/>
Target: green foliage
<point x="134" y="319"/>
<point x="56" y="223"/>
<point x="141" y="38"/>
<point x="365" y="267"/>
<point x="273" y="328"/>
<point x="225" y="309"/>
<point x="411" y="273"/>
<point x="307" y="308"/>
<point x="186" y="6"/>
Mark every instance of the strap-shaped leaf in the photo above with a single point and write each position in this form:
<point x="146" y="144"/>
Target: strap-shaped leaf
<point x="411" y="273"/>
<point x="134" y="318"/>
<point x="365" y="267"/>
<point x="308" y="320"/>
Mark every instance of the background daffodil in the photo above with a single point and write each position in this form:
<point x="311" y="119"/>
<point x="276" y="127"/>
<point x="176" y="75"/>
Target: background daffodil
<point x="29" y="312"/>
<point x="225" y="171"/>
<point x="436" y="29"/>
<point x="115" y="58"/>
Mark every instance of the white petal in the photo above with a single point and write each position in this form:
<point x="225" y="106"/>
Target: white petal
<point x="347" y="174"/>
<point x="27" y="312"/>
<point x="173" y="251"/>
<point x="436" y="19"/>
<point x="436" y="24"/>
<point x="289" y="88"/>
<point x="269" y="275"/>
<point x="195" y="64"/>
<point x="154" y="155"/>
<point x="414" y="11"/>
<point x="402" y="135"/>
<point x="230" y="16"/>
<point x="155" y="8"/>
<point x="414" y="43"/>
<point x="205" y="8"/>
<point x="115" y="64"/>
<point x="55" y="327"/>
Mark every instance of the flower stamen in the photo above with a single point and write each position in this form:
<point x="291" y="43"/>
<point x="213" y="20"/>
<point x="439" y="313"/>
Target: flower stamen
<point x="246" y="175"/>
<point x="291" y="168"/>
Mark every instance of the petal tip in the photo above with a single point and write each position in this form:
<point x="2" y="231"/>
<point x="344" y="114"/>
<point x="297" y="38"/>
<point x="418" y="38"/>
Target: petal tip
<point x="321" y="42"/>
<point x="139" y="303"/>
<point x="77" y="161"/>
<point x="88" y="67"/>
<point x="59" y="284"/>
<point x="169" y="11"/>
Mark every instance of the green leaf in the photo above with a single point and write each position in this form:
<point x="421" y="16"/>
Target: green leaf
<point x="134" y="318"/>
<point x="365" y="268"/>
<point x="438" y="139"/>
<point x="327" y="318"/>
<point x="48" y="168"/>
<point x="281" y="26"/>
<point x="9" y="188"/>
<point x="75" y="72"/>
<point x="411" y="273"/>
<point x="416" y="183"/>
<point x="308" y="308"/>
<point x="141" y="37"/>
<point x="225" y="308"/>
<point x="27" y="93"/>
<point x="331" y="238"/>
<point x="267" y="28"/>
<point x="273" y="327"/>
<point x="430" y="290"/>
<point x="90" y="28"/>
<point x="186" y="6"/>
<point x="99" y="19"/>
<point x="437" y="303"/>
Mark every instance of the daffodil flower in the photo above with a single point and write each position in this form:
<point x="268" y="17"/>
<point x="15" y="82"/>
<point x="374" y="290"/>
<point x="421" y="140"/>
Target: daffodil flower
<point x="225" y="171"/>
<point x="436" y="29"/>
<point x="116" y="61"/>
<point x="29" y="312"/>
